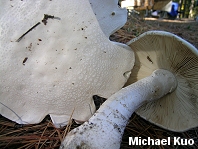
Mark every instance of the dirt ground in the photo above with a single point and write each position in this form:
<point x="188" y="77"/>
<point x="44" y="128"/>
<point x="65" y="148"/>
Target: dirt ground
<point x="44" y="135"/>
<point x="184" y="28"/>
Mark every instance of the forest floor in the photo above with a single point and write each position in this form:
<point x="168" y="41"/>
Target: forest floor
<point x="45" y="135"/>
<point x="185" y="28"/>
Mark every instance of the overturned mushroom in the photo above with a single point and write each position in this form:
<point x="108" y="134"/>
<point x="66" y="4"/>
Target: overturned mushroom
<point x="173" y="79"/>
<point x="162" y="50"/>
<point x="54" y="58"/>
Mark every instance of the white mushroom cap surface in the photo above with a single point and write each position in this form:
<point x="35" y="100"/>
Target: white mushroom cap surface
<point x="112" y="19"/>
<point x="58" y="65"/>
<point x="177" y="111"/>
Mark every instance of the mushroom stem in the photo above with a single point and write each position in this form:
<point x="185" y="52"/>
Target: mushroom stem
<point x="106" y="127"/>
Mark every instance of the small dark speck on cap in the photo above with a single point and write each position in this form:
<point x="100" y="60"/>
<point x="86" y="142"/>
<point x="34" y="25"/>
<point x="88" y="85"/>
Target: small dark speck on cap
<point x="113" y="13"/>
<point x="25" y="59"/>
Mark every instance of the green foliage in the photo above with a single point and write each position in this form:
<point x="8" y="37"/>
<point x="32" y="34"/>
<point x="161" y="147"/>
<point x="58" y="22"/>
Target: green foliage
<point x="195" y="11"/>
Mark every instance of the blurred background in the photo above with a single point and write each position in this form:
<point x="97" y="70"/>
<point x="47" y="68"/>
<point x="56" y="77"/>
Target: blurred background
<point x="171" y="9"/>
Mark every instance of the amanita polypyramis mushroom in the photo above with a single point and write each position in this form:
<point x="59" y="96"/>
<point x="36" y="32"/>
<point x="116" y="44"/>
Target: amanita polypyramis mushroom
<point x="55" y="57"/>
<point x="162" y="50"/>
<point x="170" y="64"/>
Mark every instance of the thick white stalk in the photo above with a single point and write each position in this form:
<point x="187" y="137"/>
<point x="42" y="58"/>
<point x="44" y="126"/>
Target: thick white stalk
<point x="105" y="128"/>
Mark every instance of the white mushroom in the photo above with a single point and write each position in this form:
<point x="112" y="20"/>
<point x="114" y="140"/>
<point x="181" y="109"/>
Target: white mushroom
<point x="162" y="50"/>
<point x="54" y="58"/>
<point x="173" y="63"/>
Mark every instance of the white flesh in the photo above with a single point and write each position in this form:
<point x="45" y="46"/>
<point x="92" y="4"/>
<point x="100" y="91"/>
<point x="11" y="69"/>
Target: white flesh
<point x="58" y="66"/>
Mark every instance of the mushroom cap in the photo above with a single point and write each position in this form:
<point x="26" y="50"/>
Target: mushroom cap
<point x="59" y="64"/>
<point x="177" y="111"/>
<point x="112" y="19"/>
